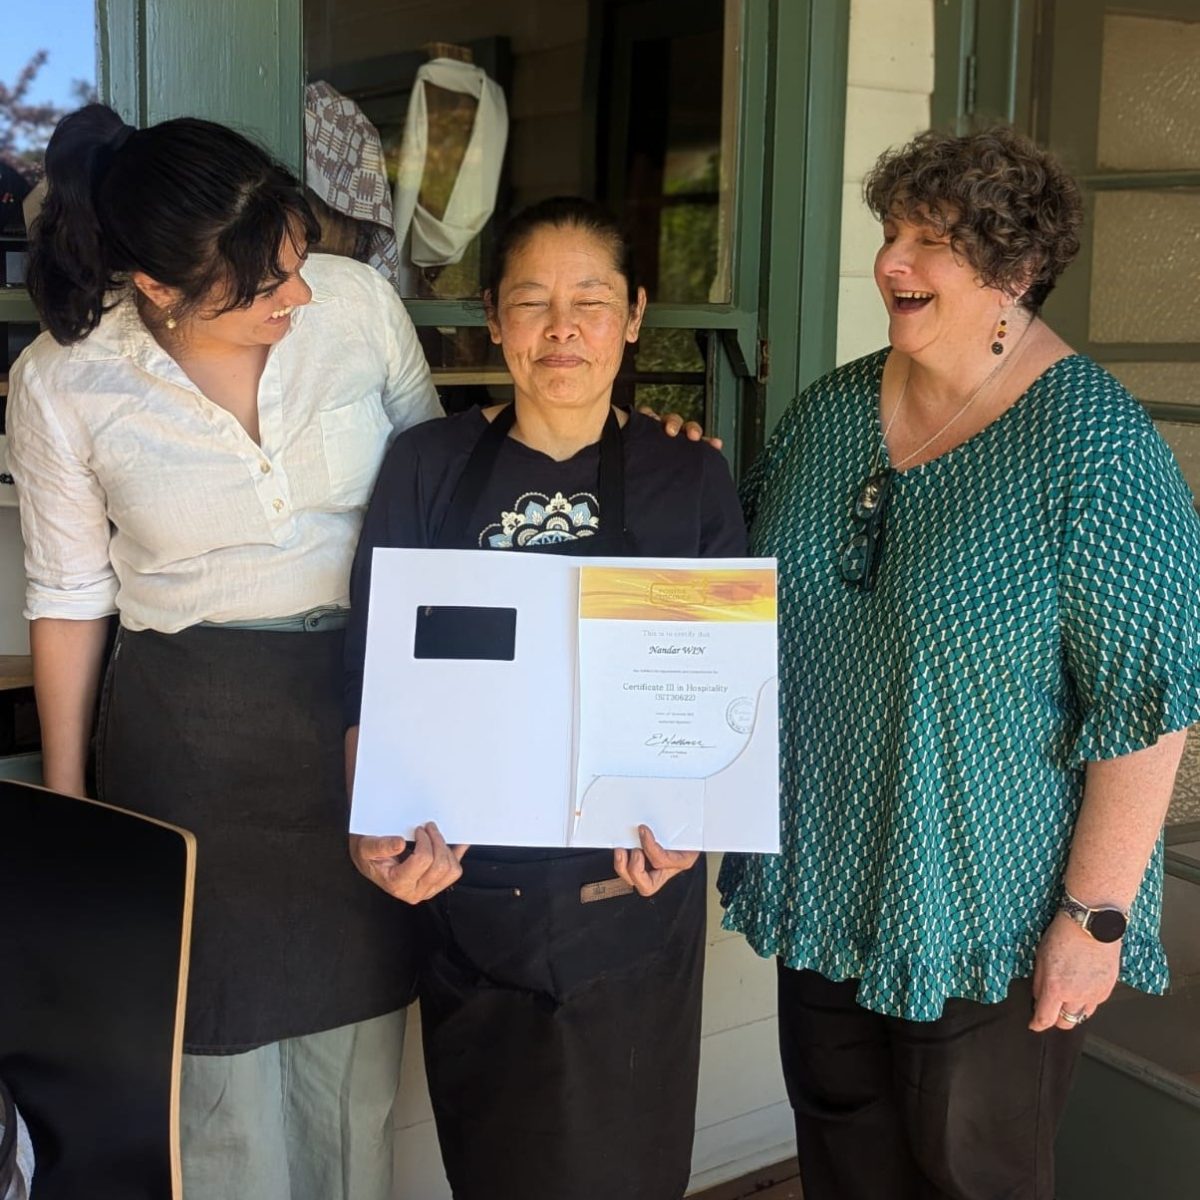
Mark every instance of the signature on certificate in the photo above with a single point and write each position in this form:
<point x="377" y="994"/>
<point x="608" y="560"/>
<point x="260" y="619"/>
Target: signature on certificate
<point x="674" y="745"/>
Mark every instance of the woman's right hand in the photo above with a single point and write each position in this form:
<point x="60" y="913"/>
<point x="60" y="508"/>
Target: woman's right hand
<point x="411" y="872"/>
<point x="649" y="868"/>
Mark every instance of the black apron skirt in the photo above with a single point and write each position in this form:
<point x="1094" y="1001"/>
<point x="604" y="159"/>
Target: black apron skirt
<point x="561" y="1036"/>
<point x="237" y="736"/>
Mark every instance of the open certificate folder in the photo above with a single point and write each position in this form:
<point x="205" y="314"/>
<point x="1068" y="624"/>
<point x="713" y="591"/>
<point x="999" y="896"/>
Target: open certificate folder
<point x="536" y="700"/>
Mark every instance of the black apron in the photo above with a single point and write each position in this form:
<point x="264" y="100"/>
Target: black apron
<point x="236" y="734"/>
<point x="561" y="1035"/>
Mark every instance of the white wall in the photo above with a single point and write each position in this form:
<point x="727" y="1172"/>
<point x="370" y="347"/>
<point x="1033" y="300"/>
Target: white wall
<point x="887" y="101"/>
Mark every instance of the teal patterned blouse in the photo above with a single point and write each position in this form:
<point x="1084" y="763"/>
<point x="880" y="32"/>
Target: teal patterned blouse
<point x="1037" y="606"/>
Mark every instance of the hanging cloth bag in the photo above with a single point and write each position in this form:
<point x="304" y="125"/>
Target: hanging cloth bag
<point x="439" y="242"/>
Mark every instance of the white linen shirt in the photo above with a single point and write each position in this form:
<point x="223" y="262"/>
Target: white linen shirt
<point x="138" y="495"/>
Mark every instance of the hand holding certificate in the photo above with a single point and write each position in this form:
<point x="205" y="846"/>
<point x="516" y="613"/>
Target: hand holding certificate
<point x="532" y="700"/>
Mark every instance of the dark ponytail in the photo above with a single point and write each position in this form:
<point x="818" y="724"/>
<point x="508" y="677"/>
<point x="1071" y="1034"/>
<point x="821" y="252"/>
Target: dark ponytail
<point x="193" y="204"/>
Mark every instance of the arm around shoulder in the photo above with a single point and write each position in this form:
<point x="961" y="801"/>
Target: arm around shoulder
<point x="722" y="527"/>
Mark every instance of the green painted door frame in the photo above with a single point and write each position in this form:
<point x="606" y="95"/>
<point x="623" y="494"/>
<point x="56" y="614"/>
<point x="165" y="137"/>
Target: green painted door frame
<point x="239" y="62"/>
<point x="802" y="214"/>
<point x="242" y="62"/>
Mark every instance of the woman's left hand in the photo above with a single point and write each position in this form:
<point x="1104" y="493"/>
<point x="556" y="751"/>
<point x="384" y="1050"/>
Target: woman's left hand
<point x="673" y="423"/>
<point x="649" y="868"/>
<point x="1073" y="973"/>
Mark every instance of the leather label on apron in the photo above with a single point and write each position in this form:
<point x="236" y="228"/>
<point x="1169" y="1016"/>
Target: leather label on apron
<point x="605" y="889"/>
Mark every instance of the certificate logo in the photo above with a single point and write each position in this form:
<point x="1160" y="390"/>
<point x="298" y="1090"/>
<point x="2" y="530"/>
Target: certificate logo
<point x="739" y="716"/>
<point x="673" y="594"/>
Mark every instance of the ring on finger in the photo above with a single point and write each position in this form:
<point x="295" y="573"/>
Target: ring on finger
<point x="1072" y="1018"/>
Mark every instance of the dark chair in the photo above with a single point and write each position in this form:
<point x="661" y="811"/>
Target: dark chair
<point x="95" y="918"/>
<point x="8" y="1140"/>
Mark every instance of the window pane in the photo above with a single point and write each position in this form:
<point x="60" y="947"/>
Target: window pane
<point x="1149" y="94"/>
<point x="1185" y="800"/>
<point x="1161" y="382"/>
<point x="47" y="68"/>
<point x="668" y="372"/>
<point x="1145" y="263"/>
<point x="632" y="103"/>
<point x="1184" y="441"/>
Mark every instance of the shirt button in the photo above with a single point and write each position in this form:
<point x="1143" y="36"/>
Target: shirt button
<point x="277" y="505"/>
<point x="265" y="467"/>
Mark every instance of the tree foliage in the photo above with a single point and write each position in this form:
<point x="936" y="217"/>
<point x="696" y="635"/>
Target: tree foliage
<point x="25" y="126"/>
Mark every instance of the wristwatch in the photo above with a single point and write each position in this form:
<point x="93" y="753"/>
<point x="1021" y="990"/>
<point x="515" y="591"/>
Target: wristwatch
<point x="1104" y="924"/>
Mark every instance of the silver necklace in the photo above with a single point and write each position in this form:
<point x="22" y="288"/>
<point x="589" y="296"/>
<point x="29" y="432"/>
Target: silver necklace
<point x="978" y="391"/>
<point x="862" y="553"/>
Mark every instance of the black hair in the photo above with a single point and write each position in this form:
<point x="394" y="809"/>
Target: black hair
<point x="562" y="212"/>
<point x="194" y="205"/>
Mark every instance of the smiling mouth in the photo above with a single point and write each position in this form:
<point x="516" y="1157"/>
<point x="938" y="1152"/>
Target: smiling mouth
<point x="281" y="314"/>
<point x="910" y="302"/>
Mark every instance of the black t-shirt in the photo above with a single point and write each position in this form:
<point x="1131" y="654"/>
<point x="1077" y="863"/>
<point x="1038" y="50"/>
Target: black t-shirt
<point x="680" y="502"/>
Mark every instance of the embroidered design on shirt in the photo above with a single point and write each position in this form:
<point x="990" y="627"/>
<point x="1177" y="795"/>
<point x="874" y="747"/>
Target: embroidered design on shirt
<point x="540" y="520"/>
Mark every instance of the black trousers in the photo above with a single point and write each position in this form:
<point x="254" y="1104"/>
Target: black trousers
<point x="962" y="1108"/>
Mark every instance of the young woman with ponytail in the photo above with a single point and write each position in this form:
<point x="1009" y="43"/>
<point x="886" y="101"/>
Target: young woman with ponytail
<point x="193" y="441"/>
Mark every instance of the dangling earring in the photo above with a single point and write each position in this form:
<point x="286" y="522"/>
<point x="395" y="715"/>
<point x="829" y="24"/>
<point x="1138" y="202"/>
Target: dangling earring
<point x="1001" y="334"/>
<point x="171" y="322"/>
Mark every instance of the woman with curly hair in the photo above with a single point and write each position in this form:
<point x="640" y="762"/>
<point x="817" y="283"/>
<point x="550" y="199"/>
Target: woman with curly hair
<point x="990" y="649"/>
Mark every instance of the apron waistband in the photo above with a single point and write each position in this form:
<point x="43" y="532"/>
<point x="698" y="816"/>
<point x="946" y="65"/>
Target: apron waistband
<point x="539" y="875"/>
<point x="316" y="620"/>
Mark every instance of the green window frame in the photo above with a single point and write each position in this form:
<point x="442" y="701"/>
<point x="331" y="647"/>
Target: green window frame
<point x="241" y="62"/>
<point x="996" y="59"/>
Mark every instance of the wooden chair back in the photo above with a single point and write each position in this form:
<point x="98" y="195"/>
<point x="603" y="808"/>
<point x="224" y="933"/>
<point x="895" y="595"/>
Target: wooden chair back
<point x="95" y="920"/>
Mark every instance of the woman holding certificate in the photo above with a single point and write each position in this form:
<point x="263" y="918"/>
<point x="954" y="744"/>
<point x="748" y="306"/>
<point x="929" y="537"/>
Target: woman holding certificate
<point x="990" y="567"/>
<point x="561" y="1001"/>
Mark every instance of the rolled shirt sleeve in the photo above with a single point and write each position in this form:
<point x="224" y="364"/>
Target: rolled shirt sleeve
<point x="64" y="518"/>
<point x="1129" y="591"/>
<point x="409" y="396"/>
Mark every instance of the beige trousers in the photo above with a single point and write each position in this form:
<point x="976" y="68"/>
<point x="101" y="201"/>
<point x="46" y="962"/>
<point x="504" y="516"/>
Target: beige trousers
<point x="309" y="1118"/>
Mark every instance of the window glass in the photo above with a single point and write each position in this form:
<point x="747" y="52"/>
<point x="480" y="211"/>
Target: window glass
<point x="1184" y="440"/>
<point x="47" y="68"/>
<point x="1161" y="382"/>
<point x="668" y="371"/>
<point x="1145" y="263"/>
<point x="484" y="106"/>
<point x="1149" y="94"/>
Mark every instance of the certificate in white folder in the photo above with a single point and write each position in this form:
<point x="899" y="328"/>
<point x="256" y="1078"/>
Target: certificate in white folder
<point x="537" y="700"/>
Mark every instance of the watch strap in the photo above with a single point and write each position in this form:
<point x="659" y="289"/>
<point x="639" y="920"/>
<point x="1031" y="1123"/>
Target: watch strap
<point x="1114" y="920"/>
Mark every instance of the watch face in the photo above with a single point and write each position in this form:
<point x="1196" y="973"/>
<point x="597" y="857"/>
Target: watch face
<point x="1107" y="925"/>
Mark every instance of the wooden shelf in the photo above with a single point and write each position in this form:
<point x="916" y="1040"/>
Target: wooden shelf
<point x="476" y="376"/>
<point x="15" y="305"/>
<point x="16" y="671"/>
